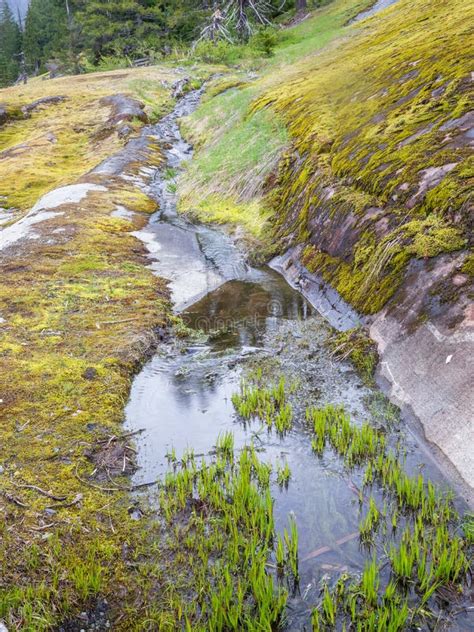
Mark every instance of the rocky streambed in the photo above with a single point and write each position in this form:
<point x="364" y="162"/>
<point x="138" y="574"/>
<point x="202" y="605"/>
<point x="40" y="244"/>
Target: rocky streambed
<point x="246" y="332"/>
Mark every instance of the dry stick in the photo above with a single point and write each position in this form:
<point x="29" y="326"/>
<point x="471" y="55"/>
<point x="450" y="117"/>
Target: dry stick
<point x="77" y="499"/>
<point x="102" y="489"/>
<point x="110" y="478"/>
<point x="118" y="488"/>
<point x="112" y="438"/>
<point x="40" y="491"/>
<point x="117" y="322"/>
<point x="13" y="499"/>
<point x="46" y="526"/>
<point x="354" y="489"/>
<point x="326" y="549"/>
<point x="141" y="485"/>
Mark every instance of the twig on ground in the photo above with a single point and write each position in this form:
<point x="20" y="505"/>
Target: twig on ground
<point x="45" y="526"/>
<point x="326" y="549"/>
<point x="77" y="499"/>
<point x="14" y="499"/>
<point x="40" y="491"/>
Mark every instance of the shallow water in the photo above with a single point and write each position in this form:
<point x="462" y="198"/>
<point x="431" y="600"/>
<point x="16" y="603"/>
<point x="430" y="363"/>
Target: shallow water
<point x="182" y="397"/>
<point x="379" y="5"/>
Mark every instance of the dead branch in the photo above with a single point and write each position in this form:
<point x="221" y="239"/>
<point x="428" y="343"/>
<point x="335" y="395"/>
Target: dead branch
<point x="40" y="491"/>
<point x="238" y="15"/>
<point x="326" y="549"/>
<point x="13" y="499"/>
<point x="46" y="526"/>
<point x="120" y="437"/>
<point x="99" y="487"/>
<point x="77" y="499"/>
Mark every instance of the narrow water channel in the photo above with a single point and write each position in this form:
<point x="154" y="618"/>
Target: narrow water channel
<point x="182" y="397"/>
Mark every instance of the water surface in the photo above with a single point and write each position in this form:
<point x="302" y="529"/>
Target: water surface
<point x="182" y="397"/>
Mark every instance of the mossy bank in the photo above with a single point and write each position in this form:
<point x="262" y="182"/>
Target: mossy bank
<point x="80" y="311"/>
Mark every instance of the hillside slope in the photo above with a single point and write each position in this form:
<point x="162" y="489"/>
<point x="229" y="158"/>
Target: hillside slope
<point x="344" y="157"/>
<point x="370" y="189"/>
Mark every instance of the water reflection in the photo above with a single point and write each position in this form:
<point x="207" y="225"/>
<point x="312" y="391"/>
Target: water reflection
<point x="240" y="312"/>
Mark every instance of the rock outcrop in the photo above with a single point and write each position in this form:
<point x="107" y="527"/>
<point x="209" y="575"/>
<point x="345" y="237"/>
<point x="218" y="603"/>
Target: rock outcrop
<point x="374" y="198"/>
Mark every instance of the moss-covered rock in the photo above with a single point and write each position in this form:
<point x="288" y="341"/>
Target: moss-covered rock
<point x="356" y="345"/>
<point x="379" y="170"/>
<point x="78" y="313"/>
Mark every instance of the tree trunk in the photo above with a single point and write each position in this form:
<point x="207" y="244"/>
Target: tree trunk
<point x="301" y="5"/>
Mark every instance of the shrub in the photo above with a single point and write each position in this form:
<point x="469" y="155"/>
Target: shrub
<point x="264" y="41"/>
<point x="218" y="52"/>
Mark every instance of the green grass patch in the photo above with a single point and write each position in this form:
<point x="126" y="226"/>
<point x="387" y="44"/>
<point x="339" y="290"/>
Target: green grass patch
<point x="220" y="536"/>
<point x="236" y="152"/>
<point x="427" y="555"/>
<point x="238" y="148"/>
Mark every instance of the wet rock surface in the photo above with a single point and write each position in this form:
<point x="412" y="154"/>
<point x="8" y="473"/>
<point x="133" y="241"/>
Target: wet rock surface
<point x="94" y="620"/>
<point x="124" y="108"/>
<point x="425" y="349"/>
<point x="320" y="294"/>
<point x="30" y="107"/>
<point x="378" y="5"/>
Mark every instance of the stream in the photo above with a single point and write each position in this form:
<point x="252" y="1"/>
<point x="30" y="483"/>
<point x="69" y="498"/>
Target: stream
<point x="244" y="315"/>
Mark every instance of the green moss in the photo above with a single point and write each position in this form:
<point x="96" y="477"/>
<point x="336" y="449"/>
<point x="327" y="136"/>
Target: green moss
<point x="433" y="236"/>
<point x="79" y="311"/>
<point x="222" y="84"/>
<point x="150" y="92"/>
<point x="468" y="265"/>
<point x="223" y="210"/>
<point x="368" y="286"/>
<point x="357" y="345"/>
<point x="53" y="147"/>
<point x="365" y="118"/>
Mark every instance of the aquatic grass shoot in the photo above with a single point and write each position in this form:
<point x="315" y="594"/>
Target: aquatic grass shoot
<point x="426" y="556"/>
<point x="283" y="474"/>
<point x="291" y="542"/>
<point x="219" y="539"/>
<point x="268" y="404"/>
<point x="370" y="523"/>
<point x="332" y="425"/>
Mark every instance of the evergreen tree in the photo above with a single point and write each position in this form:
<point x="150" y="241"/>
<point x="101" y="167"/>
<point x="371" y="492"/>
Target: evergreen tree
<point x="65" y="29"/>
<point x="10" y="46"/>
<point x="121" y="27"/>
<point x="185" y="18"/>
<point x="46" y="31"/>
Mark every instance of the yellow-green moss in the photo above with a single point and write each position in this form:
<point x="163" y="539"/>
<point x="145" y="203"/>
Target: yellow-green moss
<point x="432" y="236"/>
<point x="365" y="117"/>
<point x="222" y="210"/>
<point x="222" y="84"/>
<point x="369" y="117"/>
<point x="468" y="265"/>
<point x="79" y="308"/>
<point x="356" y="345"/>
<point x="59" y="143"/>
